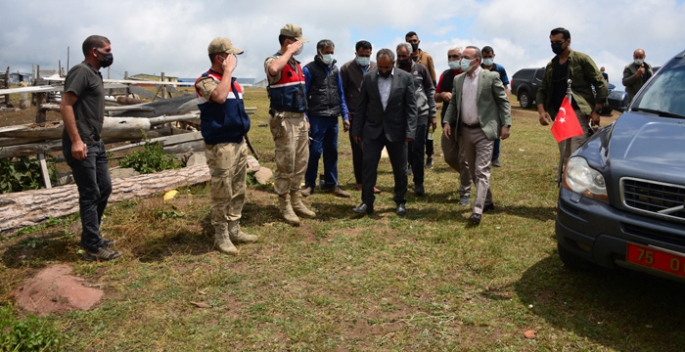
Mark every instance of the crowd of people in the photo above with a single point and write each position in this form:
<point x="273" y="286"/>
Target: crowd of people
<point x="390" y="103"/>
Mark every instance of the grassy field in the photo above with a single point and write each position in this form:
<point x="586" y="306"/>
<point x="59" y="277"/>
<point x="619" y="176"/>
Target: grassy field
<point x="426" y="282"/>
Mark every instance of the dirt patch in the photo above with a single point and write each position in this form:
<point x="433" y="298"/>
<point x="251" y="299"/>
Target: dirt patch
<point x="55" y="289"/>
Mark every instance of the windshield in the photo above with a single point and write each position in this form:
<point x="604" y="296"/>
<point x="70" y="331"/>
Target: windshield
<point x="666" y="92"/>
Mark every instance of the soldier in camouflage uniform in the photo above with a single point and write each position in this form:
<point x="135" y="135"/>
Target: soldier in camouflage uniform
<point x="288" y="123"/>
<point x="224" y="124"/>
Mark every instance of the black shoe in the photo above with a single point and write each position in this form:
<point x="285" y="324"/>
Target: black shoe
<point x="419" y="190"/>
<point x="489" y="207"/>
<point x="363" y="209"/>
<point x="102" y="254"/>
<point x="401" y="210"/>
<point x="475" y="218"/>
<point x="108" y="243"/>
<point x="496" y="163"/>
<point x="429" y="163"/>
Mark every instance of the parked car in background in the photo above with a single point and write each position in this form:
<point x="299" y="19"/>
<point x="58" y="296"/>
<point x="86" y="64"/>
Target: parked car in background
<point x="622" y="202"/>
<point x="525" y="84"/>
<point x="618" y="100"/>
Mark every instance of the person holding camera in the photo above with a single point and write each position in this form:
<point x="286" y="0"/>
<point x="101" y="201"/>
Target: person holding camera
<point x="636" y="74"/>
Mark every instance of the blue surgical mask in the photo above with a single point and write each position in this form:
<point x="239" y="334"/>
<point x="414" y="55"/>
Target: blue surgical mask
<point x="454" y="65"/>
<point x="488" y="62"/>
<point x="327" y="58"/>
<point x="465" y="64"/>
<point x="363" y="61"/>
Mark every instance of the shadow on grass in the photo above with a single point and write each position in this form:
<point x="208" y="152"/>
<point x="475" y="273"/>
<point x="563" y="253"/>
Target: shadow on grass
<point x="644" y="311"/>
<point x="37" y="251"/>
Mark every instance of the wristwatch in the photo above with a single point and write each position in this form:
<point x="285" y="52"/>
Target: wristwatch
<point x="598" y="110"/>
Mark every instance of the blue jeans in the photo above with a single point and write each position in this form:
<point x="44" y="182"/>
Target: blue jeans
<point x="94" y="187"/>
<point x="495" y="150"/>
<point x="324" y="134"/>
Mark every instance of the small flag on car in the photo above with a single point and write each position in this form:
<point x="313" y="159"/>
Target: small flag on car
<point x="566" y="123"/>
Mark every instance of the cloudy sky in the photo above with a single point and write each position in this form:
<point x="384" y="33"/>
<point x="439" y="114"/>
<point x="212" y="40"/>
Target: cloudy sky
<point x="154" y="36"/>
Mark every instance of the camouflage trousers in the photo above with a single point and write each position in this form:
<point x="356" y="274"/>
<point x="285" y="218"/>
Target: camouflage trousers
<point x="291" y="140"/>
<point x="228" y="168"/>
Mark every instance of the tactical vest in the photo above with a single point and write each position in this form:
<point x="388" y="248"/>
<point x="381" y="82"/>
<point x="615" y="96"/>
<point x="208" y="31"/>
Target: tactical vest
<point x="223" y="123"/>
<point x="288" y="94"/>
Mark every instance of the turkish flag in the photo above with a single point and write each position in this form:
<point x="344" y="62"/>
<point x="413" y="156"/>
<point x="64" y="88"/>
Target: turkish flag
<point x="566" y="124"/>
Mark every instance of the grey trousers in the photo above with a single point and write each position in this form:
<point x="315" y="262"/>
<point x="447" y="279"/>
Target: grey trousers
<point x="478" y="150"/>
<point x="455" y="158"/>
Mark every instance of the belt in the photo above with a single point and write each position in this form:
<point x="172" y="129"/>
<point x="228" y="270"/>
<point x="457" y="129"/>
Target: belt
<point x="288" y="114"/>
<point x="475" y="125"/>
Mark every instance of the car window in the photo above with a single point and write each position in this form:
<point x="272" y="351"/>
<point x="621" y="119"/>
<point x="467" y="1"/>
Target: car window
<point x="666" y="91"/>
<point x="539" y="74"/>
<point x="524" y="74"/>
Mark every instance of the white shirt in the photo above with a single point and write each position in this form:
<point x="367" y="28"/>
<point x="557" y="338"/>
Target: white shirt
<point x="384" y="85"/>
<point x="469" y="98"/>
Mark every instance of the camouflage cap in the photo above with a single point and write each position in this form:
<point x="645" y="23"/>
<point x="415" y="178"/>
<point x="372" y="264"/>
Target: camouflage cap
<point x="295" y="31"/>
<point x="223" y="45"/>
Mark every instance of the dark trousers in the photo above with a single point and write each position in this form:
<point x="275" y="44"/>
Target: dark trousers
<point x="357" y="160"/>
<point x="324" y="134"/>
<point x="416" y="149"/>
<point x="398" y="159"/>
<point x="94" y="187"/>
<point x="495" y="150"/>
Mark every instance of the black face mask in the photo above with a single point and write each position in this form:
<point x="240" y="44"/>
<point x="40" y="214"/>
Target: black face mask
<point x="404" y="63"/>
<point x="415" y="47"/>
<point x="107" y="59"/>
<point x="385" y="74"/>
<point x="557" y="48"/>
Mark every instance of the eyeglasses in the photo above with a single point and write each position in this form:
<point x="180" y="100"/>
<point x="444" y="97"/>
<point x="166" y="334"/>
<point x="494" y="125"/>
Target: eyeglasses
<point x="453" y="56"/>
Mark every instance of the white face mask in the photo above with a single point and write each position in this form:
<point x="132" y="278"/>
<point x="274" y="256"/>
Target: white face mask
<point x="639" y="62"/>
<point x="327" y="58"/>
<point x="299" y="51"/>
<point x="465" y="64"/>
<point x="363" y="61"/>
<point x="454" y="65"/>
<point x="488" y="62"/>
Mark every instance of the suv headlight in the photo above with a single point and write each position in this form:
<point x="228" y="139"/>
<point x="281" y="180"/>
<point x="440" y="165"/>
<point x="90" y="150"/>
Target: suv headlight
<point x="579" y="177"/>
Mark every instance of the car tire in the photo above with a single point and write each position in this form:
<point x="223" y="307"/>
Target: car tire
<point x="525" y="100"/>
<point x="573" y="261"/>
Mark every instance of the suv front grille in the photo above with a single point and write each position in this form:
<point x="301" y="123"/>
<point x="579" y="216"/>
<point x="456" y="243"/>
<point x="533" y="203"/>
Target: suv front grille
<point x="651" y="197"/>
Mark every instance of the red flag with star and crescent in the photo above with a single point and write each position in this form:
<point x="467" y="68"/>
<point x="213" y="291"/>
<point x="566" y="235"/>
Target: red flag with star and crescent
<point x="566" y="123"/>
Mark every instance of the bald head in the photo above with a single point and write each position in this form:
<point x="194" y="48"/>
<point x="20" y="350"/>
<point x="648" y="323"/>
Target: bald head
<point x="639" y="54"/>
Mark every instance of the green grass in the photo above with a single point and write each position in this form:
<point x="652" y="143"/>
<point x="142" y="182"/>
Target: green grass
<point x="427" y="282"/>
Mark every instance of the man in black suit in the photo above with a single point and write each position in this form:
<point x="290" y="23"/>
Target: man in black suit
<point x="386" y="116"/>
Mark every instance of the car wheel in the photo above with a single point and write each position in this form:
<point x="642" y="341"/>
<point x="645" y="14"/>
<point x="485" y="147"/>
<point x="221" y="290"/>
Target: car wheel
<point x="524" y="100"/>
<point x="572" y="261"/>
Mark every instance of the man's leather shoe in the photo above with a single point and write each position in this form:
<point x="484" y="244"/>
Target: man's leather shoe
<point x="401" y="210"/>
<point x="489" y="207"/>
<point x="464" y="201"/>
<point x="496" y="163"/>
<point x="363" y="209"/>
<point x="475" y="218"/>
<point x="419" y="190"/>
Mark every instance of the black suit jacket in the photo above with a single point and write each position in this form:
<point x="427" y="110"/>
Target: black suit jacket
<point x="398" y="120"/>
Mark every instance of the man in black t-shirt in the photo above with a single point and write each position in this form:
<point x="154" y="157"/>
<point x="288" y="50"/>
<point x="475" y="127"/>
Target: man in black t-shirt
<point x="83" y="112"/>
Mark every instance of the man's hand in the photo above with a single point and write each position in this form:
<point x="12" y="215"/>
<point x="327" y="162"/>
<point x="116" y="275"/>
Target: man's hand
<point x="640" y="71"/>
<point x="446" y="96"/>
<point x="545" y="119"/>
<point x="293" y="48"/>
<point x="434" y="122"/>
<point x="356" y="139"/>
<point x="504" y="134"/>
<point x="229" y="63"/>
<point x="79" y="150"/>
<point x="447" y="130"/>
<point x="346" y="125"/>
<point x="309" y="127"/>
<point x="594" y="118"/>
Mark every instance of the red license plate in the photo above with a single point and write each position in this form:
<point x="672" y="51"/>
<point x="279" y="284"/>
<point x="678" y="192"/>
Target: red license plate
<point x="659" y="259"/>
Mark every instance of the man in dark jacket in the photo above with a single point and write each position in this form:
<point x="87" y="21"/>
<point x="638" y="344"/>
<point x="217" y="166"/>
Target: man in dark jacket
<point x="224" y="124"/>
<point x="386" y="117"/>
<point x="636" y="74"/>
<point x="326" y="101"/>
<point x="424" y="90"/>
<point x="352" y="74"/>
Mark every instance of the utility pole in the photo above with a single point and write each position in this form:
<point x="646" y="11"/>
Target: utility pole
<point x="67" y="59"/>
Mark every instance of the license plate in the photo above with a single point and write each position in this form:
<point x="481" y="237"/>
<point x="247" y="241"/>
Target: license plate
<point x="659" y="259"/>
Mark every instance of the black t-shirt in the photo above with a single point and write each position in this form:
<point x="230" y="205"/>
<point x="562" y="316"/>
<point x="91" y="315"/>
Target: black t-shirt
<point x="89" y="110"/>
<point x="559" y="85"/>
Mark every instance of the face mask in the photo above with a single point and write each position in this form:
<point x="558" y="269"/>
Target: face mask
<point x="327" y="58"/>
<point x="107" y="59"/>
<point x="414" y="47"/>
<point x="454" y="65"/>
<point x="298" y="52"/>
<point x="639" y="62"/>
<point x="488" y="62"/>
<point x="557" y="49"/>
<point x="465" y="65"/>
<point x="385" y="74"/>
<point x="404" y="63"/>
<point x="363" y="61"/>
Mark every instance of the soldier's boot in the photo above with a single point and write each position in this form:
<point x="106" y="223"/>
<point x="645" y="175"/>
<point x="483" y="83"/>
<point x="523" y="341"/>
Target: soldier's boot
<point x="222" y="239"/>
<point x="237" y="235"/>
<point x="299" y="207"/>
<point x="287" y="210"/>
